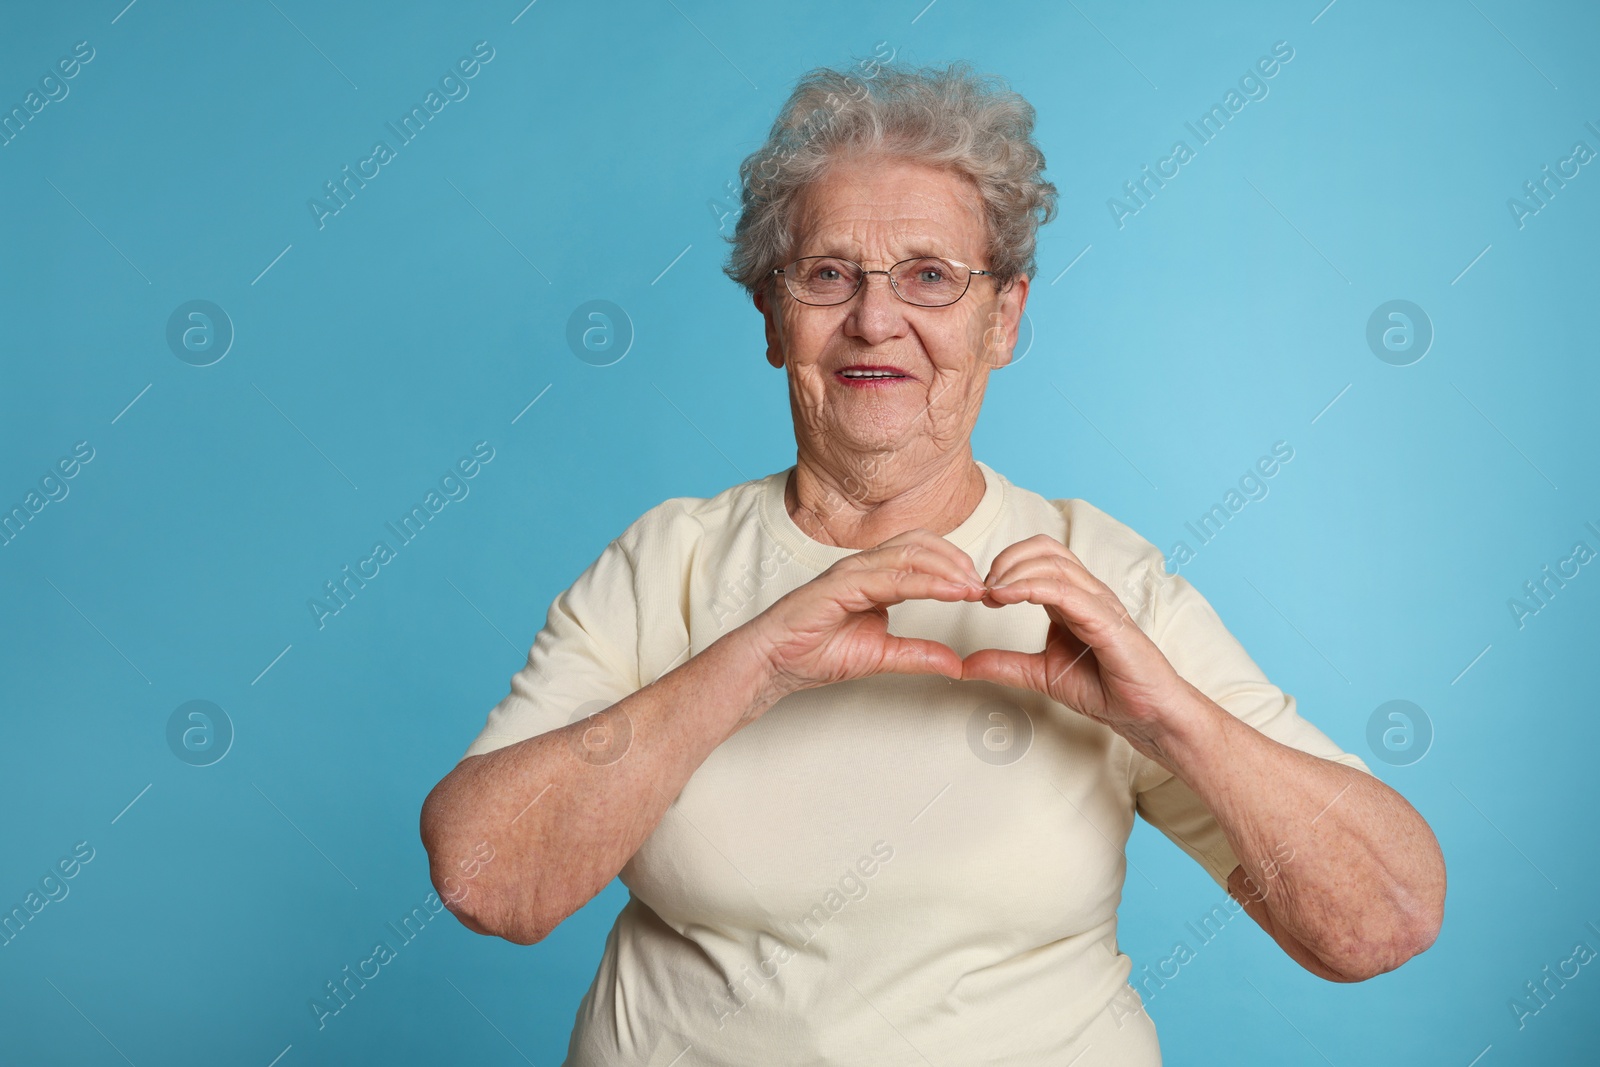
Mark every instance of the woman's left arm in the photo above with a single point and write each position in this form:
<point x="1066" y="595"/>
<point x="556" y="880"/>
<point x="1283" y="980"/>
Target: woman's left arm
<point x="1337" y="867"/>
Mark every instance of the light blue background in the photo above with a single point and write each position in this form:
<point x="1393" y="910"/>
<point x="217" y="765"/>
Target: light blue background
<point x="1226" y="315"/>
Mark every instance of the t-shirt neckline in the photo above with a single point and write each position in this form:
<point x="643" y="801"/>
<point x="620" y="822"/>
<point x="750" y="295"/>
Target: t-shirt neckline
<point x="775" y="516"/>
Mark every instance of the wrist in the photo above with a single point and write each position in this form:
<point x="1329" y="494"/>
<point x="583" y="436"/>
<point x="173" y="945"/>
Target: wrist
<point x="746" y="659"/>
<point x="1190" y="726"/>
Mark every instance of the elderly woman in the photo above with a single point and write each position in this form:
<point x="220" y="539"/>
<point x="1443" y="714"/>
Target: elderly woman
<point x="864" y="738"/>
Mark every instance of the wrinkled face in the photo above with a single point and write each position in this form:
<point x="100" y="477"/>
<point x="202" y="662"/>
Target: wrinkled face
<point x="877" y="212"/>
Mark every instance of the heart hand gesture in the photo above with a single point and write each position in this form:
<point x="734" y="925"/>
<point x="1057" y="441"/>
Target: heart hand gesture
<point x="1095" y="660"/>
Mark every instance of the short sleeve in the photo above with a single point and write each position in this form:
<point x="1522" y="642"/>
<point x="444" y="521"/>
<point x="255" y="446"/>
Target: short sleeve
<point x="1191" y="635"/>
<point x="586" y="653"/>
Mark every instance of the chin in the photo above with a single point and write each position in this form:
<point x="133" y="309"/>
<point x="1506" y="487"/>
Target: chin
<point x="872" y="435"/>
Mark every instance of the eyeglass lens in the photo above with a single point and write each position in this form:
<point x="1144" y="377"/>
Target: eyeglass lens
<point x="928" y="281"/>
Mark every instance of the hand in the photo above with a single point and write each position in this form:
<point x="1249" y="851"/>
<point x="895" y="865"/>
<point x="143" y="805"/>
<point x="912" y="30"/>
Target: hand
<point x="1094" y="659"/>
<point x="836" y="626"/>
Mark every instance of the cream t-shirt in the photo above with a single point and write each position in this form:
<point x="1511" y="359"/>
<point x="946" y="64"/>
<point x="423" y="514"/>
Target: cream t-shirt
<point x="899" y="870"/>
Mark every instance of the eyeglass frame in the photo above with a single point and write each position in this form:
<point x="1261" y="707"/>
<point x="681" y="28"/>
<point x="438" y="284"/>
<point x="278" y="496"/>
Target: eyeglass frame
<point x="862" y="281"/>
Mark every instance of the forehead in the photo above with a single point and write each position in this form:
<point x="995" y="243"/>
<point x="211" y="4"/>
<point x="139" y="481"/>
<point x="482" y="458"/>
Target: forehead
<point x="889" y="207"/>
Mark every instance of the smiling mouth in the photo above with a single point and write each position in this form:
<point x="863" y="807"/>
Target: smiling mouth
<point x="870" y="375"/>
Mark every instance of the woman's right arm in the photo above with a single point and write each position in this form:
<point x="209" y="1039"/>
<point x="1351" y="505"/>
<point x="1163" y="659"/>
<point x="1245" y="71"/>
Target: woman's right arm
<point x="520" y="838"/>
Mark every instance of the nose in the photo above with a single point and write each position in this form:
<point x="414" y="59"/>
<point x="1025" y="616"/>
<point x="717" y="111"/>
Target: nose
<point x="876" y="312"/>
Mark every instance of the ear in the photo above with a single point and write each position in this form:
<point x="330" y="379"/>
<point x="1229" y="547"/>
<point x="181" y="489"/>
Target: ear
<point x="774" y="339"/>
<point x="1010" y="305"/>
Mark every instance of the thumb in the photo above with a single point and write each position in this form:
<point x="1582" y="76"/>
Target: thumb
<point x="1020" y="670"/>
<point x="914" y="655"/>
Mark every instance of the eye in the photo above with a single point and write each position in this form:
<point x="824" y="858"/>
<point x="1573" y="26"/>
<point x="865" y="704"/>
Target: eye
<point x="826" y="270"/>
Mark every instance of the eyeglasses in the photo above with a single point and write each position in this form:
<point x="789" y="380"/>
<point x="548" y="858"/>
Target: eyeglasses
<point x="926" y="281"/>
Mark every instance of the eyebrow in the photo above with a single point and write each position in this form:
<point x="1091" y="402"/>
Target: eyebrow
<point x="917" y="251"/>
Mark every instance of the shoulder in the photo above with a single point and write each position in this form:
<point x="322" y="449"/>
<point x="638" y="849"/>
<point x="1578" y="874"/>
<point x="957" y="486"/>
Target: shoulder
<point x="1090" y="532"/>
<point x="1112" y="550"/>
<point x="679" y="526"/>
<point x="1102" y="532"/>
<point x="642" y="569"/>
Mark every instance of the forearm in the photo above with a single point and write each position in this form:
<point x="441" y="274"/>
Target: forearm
<point x="560" y="826"/>
<point x="1335" y="864"/>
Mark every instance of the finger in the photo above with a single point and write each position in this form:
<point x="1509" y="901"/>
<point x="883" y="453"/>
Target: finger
<point x="1046" y="571"/>
<point x="940" y="546"/>
<point x="1037" y="545"/>
<point x="869" y="589"/>
<point x="1042" y="566"/>
<point x="923" y="557"/>
<point x="928" y="546"/>
<point x="1090" y="616"/>
<point x="1050" y="557"/>
<point x="914" y="655"/>
<point x="1065" y="566"/>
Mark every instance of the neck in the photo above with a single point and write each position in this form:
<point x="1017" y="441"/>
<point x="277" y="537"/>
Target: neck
<point x="863" y="500"/>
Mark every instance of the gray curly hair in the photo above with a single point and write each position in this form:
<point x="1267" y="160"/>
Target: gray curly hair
<point x="973" y="124"/>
